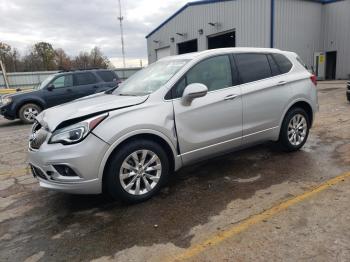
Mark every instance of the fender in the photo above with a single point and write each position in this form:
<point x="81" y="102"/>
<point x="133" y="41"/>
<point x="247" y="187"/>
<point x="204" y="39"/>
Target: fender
<point x="177" y="158"/>
<point x="35" y="100"/>
<point x="289" y="106"/>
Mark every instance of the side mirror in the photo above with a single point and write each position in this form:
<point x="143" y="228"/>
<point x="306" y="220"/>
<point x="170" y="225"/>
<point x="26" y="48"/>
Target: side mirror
<point x="50" y="87"/>
<point x="193" y="91"/>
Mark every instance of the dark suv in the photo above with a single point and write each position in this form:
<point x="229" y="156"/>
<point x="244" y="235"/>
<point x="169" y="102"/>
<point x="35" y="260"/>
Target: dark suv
<point x="57" y="89"/>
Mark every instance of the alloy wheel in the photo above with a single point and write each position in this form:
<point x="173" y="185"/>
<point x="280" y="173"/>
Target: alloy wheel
<point x="140" y="172"/>
<point x="30" y="113"/>
<point x="297" y="129"/>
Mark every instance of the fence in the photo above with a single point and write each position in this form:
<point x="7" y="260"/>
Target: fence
<point x="27" y="80"/>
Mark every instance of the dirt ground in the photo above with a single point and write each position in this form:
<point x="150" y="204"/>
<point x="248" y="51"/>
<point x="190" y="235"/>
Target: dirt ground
<point x="218" y="203"/>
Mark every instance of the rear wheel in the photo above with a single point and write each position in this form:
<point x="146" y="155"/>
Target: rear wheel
<point x="28" y="112"/>
<point x="295" y="129"/>
<point x="137" y="171"/>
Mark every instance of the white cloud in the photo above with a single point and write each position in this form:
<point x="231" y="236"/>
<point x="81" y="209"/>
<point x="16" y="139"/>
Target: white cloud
<point x="78" y="25"/>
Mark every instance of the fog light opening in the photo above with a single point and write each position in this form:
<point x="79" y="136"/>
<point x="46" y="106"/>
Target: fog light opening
<point x="65" y="170"/>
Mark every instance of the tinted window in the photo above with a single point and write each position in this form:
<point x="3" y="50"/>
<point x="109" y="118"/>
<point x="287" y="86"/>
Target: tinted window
<point x="107" y="76"/>
<point x="85" y="79"/>
<point x="274" y="67"/>
<point x="252" y="67"/>
<point x="213" y="72"/>
<point x="63" y="81"/>
<point x="283" y="63"/>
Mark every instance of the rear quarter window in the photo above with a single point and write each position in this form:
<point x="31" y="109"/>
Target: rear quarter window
<point x="107" y="76"/>
<point x="85" y="79"/>
<point x="283" y="63"/>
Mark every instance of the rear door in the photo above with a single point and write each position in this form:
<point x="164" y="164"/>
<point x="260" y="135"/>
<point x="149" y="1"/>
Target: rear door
<point x="265" y="93"/>
<point x="211" y="124"/>
<point x="109" y="78"/>
<point x="86" y="83"/>
<point x="62" y="92"/>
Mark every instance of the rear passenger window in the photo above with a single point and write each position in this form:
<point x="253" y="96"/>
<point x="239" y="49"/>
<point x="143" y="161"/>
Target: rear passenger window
<point x="107" y="76"/>
<point x="85" y="79"/>
<point x="274" y="67"/>
<point x="252" y="67"/>
<point x="283" y="63"/>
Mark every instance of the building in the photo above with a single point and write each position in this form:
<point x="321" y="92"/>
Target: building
<point x="318" y="30"/>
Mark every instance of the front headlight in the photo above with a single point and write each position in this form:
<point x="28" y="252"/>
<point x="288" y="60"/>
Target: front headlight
<point x="75" y="133"/>
<point x="6" y="100"/>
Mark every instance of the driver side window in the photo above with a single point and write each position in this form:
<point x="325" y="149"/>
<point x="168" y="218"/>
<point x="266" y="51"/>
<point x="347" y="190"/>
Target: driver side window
<point x="63" y="81"/>
<point x="214" y="72"/>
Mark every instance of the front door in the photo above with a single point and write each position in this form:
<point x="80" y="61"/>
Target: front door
<point x="62" y="90"/>
<point x="211" y="124"/>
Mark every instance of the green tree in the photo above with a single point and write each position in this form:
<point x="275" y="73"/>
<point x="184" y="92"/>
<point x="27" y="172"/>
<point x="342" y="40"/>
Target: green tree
<point x="45" y="52"/>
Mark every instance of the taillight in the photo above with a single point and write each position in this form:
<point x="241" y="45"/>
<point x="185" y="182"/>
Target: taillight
<point x="313" y="79"/>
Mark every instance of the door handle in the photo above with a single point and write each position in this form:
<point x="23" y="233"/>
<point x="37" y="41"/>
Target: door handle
<point x="69" y="90"/>
<point x="281" y="83"/>
<point x="230" y="97"/>
<point x="95" y="86"/>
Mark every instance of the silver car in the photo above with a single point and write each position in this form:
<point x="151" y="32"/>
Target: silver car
<point x="177" y="111"/>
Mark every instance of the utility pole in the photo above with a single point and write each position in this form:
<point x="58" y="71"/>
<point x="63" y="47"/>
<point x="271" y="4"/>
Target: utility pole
<point x="120" y="18"/>
<point x="3" y="70"/>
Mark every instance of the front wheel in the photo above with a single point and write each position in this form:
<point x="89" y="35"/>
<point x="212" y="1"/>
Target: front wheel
<point x="28" y="112"/>
<point x="295" y="129"/>
<point x="137" y="171"/>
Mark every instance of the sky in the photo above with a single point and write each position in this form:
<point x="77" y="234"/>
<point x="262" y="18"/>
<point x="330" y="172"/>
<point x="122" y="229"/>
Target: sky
<point x="79" y="25"/>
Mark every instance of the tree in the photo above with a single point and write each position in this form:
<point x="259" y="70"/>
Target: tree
<point x="82" y="61"/>
<point x="97" y="59"/>
<point x="45" y="52"/>
<point x="62" y="60"/>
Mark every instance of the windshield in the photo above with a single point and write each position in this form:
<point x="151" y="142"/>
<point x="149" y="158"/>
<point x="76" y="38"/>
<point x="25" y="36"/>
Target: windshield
<point x="45" y="82"/>
<point x="151" y="78"/>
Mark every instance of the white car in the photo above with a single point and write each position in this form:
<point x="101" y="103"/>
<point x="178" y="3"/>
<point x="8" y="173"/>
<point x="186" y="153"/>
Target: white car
<point x="175" y="112"/>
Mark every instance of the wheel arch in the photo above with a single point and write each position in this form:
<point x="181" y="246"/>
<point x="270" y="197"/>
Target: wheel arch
<point x="304" y="104"/>
<point x="37" y="102"/>
<point x="174" y="159"/>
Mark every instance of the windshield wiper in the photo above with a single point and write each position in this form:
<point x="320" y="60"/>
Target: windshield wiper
<point x="122" y="94"/>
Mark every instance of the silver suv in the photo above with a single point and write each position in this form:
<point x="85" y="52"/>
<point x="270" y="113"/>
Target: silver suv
<point x="175" y="112"/>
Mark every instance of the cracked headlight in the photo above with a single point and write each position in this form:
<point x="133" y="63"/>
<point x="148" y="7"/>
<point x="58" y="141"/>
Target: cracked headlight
<point x="77" y="132"/>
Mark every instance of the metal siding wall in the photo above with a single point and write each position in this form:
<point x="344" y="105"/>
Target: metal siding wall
<point x="33" y="79"/>
<point x="298" y="28"/>
<point x="337" y="35"/>
<point x="250" y="19"/>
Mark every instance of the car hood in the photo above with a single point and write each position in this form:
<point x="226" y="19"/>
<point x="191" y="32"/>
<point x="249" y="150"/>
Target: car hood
<point x="90" y="105"/>
<point x="19" y="93"/>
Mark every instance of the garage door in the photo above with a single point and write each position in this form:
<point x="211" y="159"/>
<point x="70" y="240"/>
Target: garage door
<point x="163" y="52"/>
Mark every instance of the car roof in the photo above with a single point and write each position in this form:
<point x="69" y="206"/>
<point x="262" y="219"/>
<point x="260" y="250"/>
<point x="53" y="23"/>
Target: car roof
<point x="194" y="55"/>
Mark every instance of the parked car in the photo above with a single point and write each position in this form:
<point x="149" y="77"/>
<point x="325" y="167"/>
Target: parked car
<point x="348" y="91"/>
<point x="57" y="89"/>
<point x="175" y="112"/>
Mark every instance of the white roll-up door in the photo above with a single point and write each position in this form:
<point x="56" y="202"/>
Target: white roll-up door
<point x="163" y="52"/>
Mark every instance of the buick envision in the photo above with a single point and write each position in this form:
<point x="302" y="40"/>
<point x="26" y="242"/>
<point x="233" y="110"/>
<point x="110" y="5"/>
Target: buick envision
<point x="177" y="111"/>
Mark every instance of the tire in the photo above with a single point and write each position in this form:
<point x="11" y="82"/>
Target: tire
<point x="119" y="176"/>
<point x="28" y="112"/>
<point x="295" y="130"/>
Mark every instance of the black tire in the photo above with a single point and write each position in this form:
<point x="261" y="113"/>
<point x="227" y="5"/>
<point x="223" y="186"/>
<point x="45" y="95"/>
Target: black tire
<point x="23" y="113"/>
<point x="284" y="141"/>
<point x="112" y="183"/>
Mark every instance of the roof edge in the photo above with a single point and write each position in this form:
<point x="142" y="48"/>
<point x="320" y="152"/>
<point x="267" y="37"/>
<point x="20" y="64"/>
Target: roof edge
<point x="203" y="2"/>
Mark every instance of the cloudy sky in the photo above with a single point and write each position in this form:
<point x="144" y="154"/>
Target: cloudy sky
<point x="79" y="25"/>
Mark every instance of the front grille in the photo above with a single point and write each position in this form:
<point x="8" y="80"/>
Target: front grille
<point x="37" y="172"/>
<point x="38" y="136"/>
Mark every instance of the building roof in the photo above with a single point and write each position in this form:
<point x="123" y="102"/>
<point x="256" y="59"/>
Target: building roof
<point x="203" y="2"/>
